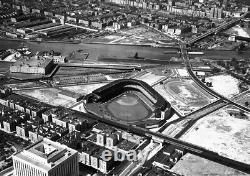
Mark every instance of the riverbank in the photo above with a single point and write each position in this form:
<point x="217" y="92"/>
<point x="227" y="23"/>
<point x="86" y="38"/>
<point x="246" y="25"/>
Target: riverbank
<point x="97" y="51"/>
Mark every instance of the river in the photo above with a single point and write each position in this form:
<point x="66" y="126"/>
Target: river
<point x="95" y="50"/>
<point x="114" y="51"/>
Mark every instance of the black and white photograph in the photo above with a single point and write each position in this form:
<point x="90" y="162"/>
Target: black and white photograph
<point x="124" y="87"/>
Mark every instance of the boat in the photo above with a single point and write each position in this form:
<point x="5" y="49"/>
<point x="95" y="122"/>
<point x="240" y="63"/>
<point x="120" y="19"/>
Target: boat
<point x="137" y="57"/>
<point x="196" y="53"/>
<point x="171" y="52"/>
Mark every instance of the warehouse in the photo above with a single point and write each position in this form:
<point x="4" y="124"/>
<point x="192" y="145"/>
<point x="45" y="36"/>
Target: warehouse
<point x="33" y="65"/>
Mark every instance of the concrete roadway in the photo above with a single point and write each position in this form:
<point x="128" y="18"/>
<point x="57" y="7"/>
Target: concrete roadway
<point x="202" y="85"/>
<point x="216" y="30"/>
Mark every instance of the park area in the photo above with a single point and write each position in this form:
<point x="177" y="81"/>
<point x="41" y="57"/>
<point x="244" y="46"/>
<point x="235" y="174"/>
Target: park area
<point x="187" y="93"/>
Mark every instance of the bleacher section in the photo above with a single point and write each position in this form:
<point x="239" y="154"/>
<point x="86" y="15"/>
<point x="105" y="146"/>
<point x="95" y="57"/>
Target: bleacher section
<point x="98" y="100"/>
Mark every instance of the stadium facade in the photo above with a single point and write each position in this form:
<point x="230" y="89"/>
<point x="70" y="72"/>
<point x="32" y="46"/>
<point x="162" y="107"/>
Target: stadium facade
<point x="129" y="101"/>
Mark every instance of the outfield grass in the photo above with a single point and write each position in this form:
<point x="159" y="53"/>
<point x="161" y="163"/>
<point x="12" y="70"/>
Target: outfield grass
<point x="128" y="108"/>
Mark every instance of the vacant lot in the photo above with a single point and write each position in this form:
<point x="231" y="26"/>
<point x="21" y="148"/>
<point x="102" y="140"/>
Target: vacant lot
<point x="191" y="165"/>
<point x="47" y="95"/>
<point x="224" y="134"/>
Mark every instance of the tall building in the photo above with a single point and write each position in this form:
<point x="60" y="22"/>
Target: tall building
<point x="220" y="13"/>
<point x="212" y="12"/>
<point x="46" y="158"/>
<point x="225" y="4"/>
<point x="215" y="12"/>
<point x="171" y="2"/>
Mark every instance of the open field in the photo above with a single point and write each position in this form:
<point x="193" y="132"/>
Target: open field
<point x="191" y="165"/>
<point x="84" y="89"/>
<point x="110" y="38"/>
<point x="105" y="38"/>
<point x="225" y="85"/>
<point x="48" y="95"/>
<point x="150" y="78"/>
<point x="239" y="31"/>
<point x="26" y="85"/>
<point x="138" y="35"/>
<point x="182" y="72"/>
<point x="128" y="107"/>
<point x="245" y="97"/>
<point x="4" y="66"/>
<point x="187" y="92"/>
<point x="222" y="133"/>
<point x="144" y="33"/>
<point x="184" y="96"/>
<point x="181" y="108"/>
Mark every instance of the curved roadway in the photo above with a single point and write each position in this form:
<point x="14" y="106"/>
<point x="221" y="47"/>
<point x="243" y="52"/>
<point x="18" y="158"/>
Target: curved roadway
<point x="201" y="84"/>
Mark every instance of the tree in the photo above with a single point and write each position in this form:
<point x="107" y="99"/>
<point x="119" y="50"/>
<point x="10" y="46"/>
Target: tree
<point x="203" y="79"/>
<point x="234" y="61"/>
<point x="246" y="103"/>
<point x="241" y="46"/>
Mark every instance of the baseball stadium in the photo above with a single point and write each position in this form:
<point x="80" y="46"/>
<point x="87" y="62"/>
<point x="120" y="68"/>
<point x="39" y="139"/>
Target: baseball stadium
<point x="129" y="101"/>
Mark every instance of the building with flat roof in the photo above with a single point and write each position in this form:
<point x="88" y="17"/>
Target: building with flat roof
<point x="33" y="65"/>
<point x="46" y="158"/>
<point x="32" y="107"/>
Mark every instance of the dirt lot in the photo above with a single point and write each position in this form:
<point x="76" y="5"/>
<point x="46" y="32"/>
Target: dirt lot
<point x="191" y="165"/>
<point x="184" y="96"/>
<point x="84" y="89"/>
<point x="225" y="85"/>
<point x="224" y="134"/>
<point x="48" y="95"/>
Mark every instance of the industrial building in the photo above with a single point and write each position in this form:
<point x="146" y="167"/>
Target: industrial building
<point x="85" y="78"/>
<point x="33" y="65"/>
<point x="46" y="158"/>
<point x="56" y="30"/>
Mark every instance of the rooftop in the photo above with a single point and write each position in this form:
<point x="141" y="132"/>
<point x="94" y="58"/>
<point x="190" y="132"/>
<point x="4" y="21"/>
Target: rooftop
<point x="27" y="102"/>
<point x="45" y="154"/>
<point x="126" y="145"/>
<point x="89" y="147"/>
<point x="101" y="127"/>
<point x="34" y="61"/>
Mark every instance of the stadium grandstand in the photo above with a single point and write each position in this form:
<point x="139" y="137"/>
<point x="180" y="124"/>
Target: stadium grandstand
<point x="129" y="101"/>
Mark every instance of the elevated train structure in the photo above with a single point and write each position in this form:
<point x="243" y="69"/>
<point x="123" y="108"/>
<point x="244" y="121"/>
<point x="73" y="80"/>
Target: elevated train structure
<point x="188" y="147"/>
<point x="220" y="28"/>
<point x="196" y="80"/>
